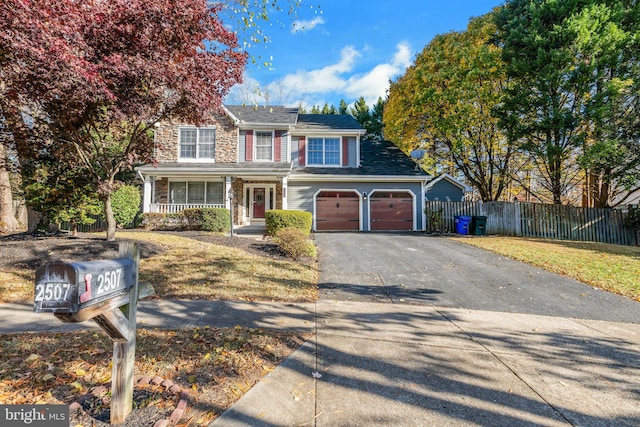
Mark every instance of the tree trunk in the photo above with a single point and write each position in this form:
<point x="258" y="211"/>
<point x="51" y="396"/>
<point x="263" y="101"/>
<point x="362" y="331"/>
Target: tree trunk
<point x="8" y="221"/>
<point x="111" y="221"/>
<point x="74" y="228"/>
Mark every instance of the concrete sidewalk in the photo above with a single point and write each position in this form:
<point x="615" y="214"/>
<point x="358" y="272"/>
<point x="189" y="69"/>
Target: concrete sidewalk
<point x="387" y="364"/>
<point x="392" y="364"/>
<point x="171" y="314"/>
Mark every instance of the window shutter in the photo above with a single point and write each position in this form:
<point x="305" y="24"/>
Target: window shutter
<point x="345" y="151"/>
<point x="249" y="146"/>
<point x="277" y="149"/>
<point x="301" y="151"/>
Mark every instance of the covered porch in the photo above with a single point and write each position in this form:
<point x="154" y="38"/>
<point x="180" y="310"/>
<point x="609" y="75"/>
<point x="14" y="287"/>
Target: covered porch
<point x="249" y="193"/>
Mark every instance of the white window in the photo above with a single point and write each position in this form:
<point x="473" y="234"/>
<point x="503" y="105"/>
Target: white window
<point x="323" y="151"/>
<point x="197" y="143"/>
<point x="264" y="146"/>
<point x="196" y="192"/>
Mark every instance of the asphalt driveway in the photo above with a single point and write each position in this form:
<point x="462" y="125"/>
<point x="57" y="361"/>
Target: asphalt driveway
<point x="412" y="268"/>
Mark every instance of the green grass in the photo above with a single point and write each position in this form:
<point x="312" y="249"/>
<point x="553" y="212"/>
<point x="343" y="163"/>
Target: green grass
<point x="611" y="267"/>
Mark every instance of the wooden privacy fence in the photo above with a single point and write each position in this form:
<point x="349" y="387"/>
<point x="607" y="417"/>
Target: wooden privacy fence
<point x="540" y="220"/>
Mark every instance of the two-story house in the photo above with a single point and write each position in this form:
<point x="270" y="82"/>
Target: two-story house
<point x="271" y="157"/>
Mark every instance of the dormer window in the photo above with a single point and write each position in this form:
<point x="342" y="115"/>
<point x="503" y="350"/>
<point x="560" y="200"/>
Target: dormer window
<point x="197" y="143"/>
<point x="323" y="152"/>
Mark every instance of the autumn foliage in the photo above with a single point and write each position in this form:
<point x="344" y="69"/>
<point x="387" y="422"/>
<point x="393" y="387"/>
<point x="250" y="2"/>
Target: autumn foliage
<point x="95" y="75"/>
<point x="138" y="58"/>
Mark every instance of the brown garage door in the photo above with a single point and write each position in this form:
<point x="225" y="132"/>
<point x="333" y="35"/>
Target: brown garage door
<point x="391" y="211"/>
<point x="337" y="211"/>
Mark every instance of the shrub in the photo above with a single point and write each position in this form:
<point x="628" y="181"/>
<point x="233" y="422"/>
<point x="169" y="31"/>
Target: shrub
<point x="125" y="201"/>
<point x="152" y="220"/>
<point x="633" y="218"/>
<point x="191" y="219"/>
<point x="215" y="219"/>
<point x="295" y="243"/>
<point x="278" y="219"/>
<point x="205" y="219"/>
<point x="435" y="221"/>
<point x="159" y="221"/>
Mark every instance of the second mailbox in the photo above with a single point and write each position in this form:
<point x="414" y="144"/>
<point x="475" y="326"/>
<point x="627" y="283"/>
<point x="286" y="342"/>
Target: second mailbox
<point x="67" y="287"/>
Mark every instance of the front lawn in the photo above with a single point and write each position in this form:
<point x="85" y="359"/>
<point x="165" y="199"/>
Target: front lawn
<point x="178" y="266"/>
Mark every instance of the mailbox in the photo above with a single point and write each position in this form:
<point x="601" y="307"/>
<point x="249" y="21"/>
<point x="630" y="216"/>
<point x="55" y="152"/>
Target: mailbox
<point x="67" y="287"/>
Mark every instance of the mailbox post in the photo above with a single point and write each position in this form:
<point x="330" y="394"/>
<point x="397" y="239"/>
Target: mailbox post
<point x="107" y="292"/>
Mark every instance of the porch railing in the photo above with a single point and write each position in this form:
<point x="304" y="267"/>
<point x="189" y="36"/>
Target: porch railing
<point x="171" y="208"/>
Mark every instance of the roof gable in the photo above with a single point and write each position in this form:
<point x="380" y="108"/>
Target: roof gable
<point x="450" y="179"/>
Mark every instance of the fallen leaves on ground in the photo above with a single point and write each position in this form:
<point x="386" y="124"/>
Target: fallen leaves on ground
<point x="215" y="365"/>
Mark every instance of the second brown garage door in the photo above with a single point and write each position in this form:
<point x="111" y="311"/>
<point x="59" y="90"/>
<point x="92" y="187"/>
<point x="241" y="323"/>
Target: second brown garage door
<point x="337" y="211"/>
<point x="391" y="211"/>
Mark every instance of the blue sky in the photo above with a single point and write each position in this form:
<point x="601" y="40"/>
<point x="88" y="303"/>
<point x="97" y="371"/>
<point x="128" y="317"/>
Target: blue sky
<point x="345" y="49"/>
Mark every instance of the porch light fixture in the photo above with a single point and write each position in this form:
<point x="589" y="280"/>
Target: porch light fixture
<point x="364" y="195"/>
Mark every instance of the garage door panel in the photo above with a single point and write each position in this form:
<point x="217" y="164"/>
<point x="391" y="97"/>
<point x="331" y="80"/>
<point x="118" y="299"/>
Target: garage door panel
<point x="391" y="211"/>
<point x="337" y="211"/>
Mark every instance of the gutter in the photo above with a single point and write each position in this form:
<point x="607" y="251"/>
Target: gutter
<point x="358" y="178"/>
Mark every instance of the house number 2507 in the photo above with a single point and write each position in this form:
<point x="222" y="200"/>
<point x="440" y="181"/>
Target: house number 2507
<point x="108" y="281"/>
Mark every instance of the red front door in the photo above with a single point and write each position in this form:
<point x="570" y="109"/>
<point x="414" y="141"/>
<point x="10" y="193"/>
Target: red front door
<point x="258" y="202"/>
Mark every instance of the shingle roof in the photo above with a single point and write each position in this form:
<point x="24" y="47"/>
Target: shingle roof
<point x="264" y="114"/>
<point x="376" y="158"/>
<point x="327" y="122"/>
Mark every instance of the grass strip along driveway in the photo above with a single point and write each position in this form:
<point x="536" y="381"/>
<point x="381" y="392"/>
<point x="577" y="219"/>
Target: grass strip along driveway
<point x="215" y="365"/>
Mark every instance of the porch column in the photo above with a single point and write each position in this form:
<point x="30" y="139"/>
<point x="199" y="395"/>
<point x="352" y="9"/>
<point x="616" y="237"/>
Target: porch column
<point x="227" y="187"/>
<point x="147" y="193"/>
<point x="284" y="192"/>
<point x="423" y="205"/>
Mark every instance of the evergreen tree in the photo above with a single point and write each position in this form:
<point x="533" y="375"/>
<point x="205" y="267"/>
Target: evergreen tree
<point x="376" y="127"/>
<point x="574" y="76"/>
<point x="343" y="108"/>
<point x="360" y="111"/>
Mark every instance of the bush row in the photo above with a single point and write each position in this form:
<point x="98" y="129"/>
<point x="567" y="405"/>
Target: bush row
<point x="204" y="219"/>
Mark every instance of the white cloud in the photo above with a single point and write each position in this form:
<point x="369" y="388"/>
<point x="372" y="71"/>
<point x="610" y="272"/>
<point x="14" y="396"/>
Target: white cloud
<point x="374" y="83"/>
<point x="402" y="58"/>
<point x="326" y="84"/>
<point x="326" y="79"/>
<point x="306" y="25"/>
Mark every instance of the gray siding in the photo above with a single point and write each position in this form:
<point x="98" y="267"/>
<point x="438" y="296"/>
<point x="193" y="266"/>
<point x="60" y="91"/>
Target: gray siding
<point x="285" y="146"/>
<point x="444" y="191"/>
<point x="294" y="151"/>
<point x="353" y="152"/>
<point x="301" y="194"/>
<point x="242" y="146"/>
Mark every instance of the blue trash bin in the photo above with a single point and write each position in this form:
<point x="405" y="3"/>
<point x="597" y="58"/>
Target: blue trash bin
<point x="462" y="223"/>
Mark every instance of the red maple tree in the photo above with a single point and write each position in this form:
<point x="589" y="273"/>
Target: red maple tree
<point x="96" y="75"/>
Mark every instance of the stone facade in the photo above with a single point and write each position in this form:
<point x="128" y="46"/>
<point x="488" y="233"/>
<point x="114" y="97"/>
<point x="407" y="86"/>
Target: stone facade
<point x="226" y="151"/>
<point x="162" y="191"/>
